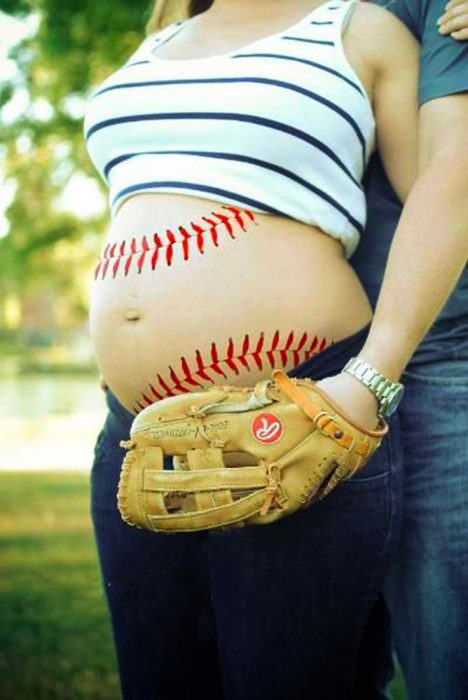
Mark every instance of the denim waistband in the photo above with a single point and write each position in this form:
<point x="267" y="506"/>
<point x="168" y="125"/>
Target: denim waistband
<point x="325" y="364"/>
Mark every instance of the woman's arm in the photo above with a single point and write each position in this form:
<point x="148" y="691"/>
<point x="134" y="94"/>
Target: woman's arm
<point x="391" y="55"/>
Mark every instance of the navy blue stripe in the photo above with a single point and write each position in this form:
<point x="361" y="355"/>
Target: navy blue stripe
<point x="303" y="60"/>
<point x="261" y="121"/>
<point x="320" y="24"/>
<point x="202" y="188"/>
<point x="247" y="79"/>
<point x="336" y="73"/>
<point x="137" y="63"/>
<point x="254" y="161"/>
<point x="309" y="41"/>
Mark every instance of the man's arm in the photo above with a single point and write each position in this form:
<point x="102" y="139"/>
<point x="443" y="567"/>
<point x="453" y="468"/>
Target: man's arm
<point x="430" y="246"/>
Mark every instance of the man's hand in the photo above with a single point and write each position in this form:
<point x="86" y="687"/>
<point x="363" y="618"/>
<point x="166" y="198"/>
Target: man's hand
<point x="455" y="20"/>
<point x="357" y="401"/>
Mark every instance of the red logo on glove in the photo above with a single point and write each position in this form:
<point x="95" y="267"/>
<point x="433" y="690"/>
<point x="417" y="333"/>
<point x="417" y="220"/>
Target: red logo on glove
<point x="267" y="428"/>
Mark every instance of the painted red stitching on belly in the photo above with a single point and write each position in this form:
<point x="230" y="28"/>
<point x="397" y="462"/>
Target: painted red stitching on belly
<point x="160" y="248"/>
<point x="194" y="375"/>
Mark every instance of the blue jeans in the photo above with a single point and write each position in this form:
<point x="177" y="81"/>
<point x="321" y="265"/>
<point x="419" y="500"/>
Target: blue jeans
<point x="426" y="590"/>
<point x="271" y="611"/>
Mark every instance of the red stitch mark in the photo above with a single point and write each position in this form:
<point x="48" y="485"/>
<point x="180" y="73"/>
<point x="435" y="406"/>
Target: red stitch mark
<point x="245" y="350"/>
<point x="176" y="380"/>
<point x="186" y="378"/>
<point x="284" y="351"/>
<point x="168" y="390"/>
<point x="185" y="241"/>
<point x="158" y="245"/>
<point x="128" y="262"/>
<point x="213" y="231"/>
<point x="322" y="345"/>
<point x="200" y="234"/>
<point x="225" y="221"/>
<point x="238" y="217"/>
<point x="156" y="393"/>
<point x="170" y="246"/>
<point x="215" y="361"/>
<point x="256" y="353"/>
<point x="230" y="361"/>
<point x="115" y="267"/>
<point x="147" y="400"/>
<point x="187" y="375"/>
<point x="141" y="259"/>
<point x="313" y="345"/>
<point x="201" y="367"/>
<point x="274" y="345"/>
<point x="214" y="234"/>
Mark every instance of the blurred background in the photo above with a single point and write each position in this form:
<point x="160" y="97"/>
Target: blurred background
<point x="55" y="639"/>
<point x="53" y="213"/>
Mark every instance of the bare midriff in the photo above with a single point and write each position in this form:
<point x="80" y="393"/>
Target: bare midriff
<point x="190" y="292"/>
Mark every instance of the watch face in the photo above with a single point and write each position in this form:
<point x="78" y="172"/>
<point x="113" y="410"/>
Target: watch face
<point x="394" y="402"/>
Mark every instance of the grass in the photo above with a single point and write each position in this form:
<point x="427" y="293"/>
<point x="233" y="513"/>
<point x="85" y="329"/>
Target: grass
<point x="55" y="638"/>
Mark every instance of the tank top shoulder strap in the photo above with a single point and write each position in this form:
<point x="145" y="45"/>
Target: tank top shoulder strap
<point x="154" y="39"/>
<point x="343" y="13"/>
<point x="331" y="18"/>
<point x="335" y="17"/>
<point x="324" y="25"/>
<point x="164" y="34"/>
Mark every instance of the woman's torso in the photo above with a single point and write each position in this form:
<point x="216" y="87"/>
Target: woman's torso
<point x="191" y="290"/>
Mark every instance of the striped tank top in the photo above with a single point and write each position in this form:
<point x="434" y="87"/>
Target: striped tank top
<point x="280" y="126"/>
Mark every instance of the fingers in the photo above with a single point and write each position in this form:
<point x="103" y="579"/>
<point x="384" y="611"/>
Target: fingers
<point x="454" y="21"/>
<point x="462" y="35"/>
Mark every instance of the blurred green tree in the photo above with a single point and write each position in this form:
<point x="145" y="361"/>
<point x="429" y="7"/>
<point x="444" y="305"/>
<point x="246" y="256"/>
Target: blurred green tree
<point x="77" y="44"/>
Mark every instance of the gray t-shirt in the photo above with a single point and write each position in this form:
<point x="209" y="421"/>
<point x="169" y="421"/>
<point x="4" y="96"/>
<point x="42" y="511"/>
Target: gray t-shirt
<point x="443" y="71"/>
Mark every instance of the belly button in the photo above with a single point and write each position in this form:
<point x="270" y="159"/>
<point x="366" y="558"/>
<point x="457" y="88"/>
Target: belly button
<point x="132" y="315"/>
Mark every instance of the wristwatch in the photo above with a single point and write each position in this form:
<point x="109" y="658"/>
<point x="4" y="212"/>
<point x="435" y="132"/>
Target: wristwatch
<point x="387" y="393"/>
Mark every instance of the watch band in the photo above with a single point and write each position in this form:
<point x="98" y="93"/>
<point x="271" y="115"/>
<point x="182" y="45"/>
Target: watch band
<point x="386" y="392"/>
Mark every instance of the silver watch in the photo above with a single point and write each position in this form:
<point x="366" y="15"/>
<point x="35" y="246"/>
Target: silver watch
<point x="387" y="393"/>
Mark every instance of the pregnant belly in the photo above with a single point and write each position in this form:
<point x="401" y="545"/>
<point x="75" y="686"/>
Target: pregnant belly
<point x="190" y="292"/>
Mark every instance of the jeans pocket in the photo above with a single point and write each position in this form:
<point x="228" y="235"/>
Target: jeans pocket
<point x="385" y="460"/>
<point x="450" y="372"/>
<point x="361" y="480"/>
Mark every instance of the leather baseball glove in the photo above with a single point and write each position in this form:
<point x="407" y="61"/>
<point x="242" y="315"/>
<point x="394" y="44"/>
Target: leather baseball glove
<point x="241" y="456"/>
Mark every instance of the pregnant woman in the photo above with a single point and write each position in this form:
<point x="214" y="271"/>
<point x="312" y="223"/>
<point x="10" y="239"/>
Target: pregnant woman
<point x="233" y="142"/>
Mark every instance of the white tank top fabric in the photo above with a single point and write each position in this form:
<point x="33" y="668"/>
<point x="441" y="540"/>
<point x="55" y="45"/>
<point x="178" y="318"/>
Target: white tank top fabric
<point x="282" y="125"/>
